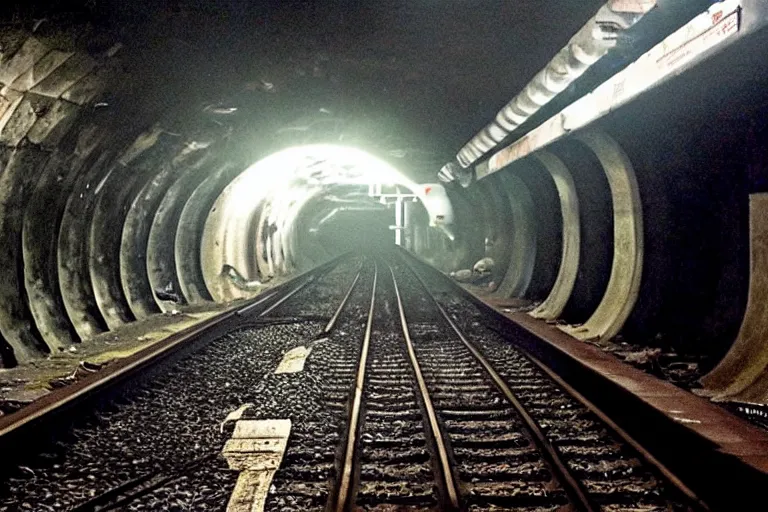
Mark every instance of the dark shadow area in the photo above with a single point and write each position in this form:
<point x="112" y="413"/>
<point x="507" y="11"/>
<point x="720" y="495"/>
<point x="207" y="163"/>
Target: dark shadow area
<point x="357" y="230"/>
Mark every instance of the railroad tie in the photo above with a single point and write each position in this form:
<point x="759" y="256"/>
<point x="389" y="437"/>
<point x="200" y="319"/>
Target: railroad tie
<point x="256" y="449"/>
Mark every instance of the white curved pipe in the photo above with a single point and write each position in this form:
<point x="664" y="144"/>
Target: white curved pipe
<point x="596" y="38"/>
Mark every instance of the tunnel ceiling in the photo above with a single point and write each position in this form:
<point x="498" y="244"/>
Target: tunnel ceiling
<point x="409" y="77"/>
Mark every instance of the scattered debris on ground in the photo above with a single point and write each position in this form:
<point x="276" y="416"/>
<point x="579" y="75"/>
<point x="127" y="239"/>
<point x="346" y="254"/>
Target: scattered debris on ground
<point x="682" y="370"/>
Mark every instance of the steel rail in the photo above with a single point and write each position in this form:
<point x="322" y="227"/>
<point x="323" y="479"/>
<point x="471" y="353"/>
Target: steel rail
<point x="132" y="490"/>
<point x="615" y="428"/>
<point x="287" y="296"/>
<point x="446" y="473"/>
<point x="570" y="483"/>
<point x="249" y="307"/>
<point x="645" y="454"/>
<point x="341" y="500"/>
<point x="332" y="322"/>
<point x="129" y="491"/>
<point x="92" y="383"/>
<point x="92" y="387"/>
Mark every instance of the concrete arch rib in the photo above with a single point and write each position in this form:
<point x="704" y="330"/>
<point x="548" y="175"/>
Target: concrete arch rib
<point x="522" y="259"/>
<point x="161" y="263"/>
<point x="493" y="208"/>
<point x="624" y="282"/>
<point x="554" y="304"/>
<point x="72" y="253"/>
<point x="42" y="219"/>
<point x="189" y="234"/>
<point x="227" y="239"/>
<point x="134" y="274"/>
<point x="20" y="169"/>
<point x="743" y="372"/>
<point x="117" y="192"/>
<point x="264" y="246"/>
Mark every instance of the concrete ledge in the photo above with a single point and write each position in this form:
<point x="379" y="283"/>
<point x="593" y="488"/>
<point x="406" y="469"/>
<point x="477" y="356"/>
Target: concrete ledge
<point x="27" y="382"/>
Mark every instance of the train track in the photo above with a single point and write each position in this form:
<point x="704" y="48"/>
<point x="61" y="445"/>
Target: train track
<point x="424" y="420"/>
<point x="51" y="449"/>
<point x="435" y="425"/>
<point x="405" y="403"/>
<point x="597" y="466"/>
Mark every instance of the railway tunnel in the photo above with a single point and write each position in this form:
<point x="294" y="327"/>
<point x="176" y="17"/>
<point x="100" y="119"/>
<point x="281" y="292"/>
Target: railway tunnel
<point x="163" y="159"/>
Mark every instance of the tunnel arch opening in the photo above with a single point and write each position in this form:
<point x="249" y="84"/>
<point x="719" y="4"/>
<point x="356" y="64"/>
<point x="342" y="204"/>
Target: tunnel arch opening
<point x="262" y="216"/>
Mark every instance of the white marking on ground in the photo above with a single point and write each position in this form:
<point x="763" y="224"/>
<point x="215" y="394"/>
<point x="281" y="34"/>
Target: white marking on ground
<point x="256" y="449"/>
<point x="293" y="360"/>
<point x="235" y="415"/>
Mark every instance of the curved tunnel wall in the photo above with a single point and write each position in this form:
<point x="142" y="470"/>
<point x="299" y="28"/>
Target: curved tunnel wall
<point x="16" y="324"/>
<point x="135" y="273"/>
<point x="45" y="91"/>
<point x="696" y="145"/>
<point x="71" y="256"/>
<point x="554" y="304"/>
<point x="519" y="272"/>
<point x="104" y="197"/>
<point x="189" y="234"/>
<point x="76" y="166"/>
<point x="161" y="239"/>
<point x="548" y="226"/>
<point x="622" y="290"/>
<point x="39" y="237"/>
<point x="609" y="291"/>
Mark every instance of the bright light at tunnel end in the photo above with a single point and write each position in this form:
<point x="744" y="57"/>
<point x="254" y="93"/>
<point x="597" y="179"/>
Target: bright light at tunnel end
<point x="270" y="194"/>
